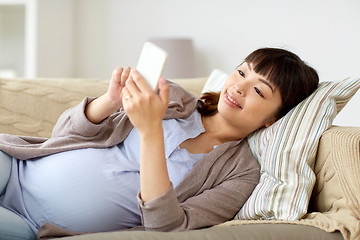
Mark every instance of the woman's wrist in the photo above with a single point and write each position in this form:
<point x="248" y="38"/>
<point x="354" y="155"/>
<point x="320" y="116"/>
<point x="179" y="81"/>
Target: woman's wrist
<point x="99" y="109"/>
<point x="112" y="104"/>
<point x="151" y="131"/>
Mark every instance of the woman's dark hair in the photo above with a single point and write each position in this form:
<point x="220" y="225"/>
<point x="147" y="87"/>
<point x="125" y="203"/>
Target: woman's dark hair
<point x="285" y="70"/>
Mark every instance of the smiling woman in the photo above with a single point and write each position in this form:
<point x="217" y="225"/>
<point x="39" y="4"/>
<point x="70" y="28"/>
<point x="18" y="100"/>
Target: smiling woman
<point x="116" y="161"/>
<point x="285" y="70"/>
<point x="281" y="71"/>
<point x="253" y="96"/>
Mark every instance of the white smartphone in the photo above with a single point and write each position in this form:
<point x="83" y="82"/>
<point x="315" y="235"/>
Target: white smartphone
<point x="151" y="63"/>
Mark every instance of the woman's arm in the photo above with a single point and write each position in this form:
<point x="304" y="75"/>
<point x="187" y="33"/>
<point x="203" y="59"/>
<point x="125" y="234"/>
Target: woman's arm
<point x="146" y="110"/>
<point x="154" y="178"/>
<point x="84" y="118"/>
<point x="212" y="193"/>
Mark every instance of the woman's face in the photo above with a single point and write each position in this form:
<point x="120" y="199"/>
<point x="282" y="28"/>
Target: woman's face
<point x="248" y="101"/>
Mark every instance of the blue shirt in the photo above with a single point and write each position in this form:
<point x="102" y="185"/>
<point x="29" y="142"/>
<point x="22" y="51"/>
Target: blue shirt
<point x="94" y="190"/>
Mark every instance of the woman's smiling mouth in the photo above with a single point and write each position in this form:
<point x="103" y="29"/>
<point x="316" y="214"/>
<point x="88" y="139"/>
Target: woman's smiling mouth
<point x="230" y="101"/>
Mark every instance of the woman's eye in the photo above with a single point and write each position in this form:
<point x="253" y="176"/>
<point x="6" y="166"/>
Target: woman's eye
<point x="259" y="92"/>
<point x="241" y="73"/>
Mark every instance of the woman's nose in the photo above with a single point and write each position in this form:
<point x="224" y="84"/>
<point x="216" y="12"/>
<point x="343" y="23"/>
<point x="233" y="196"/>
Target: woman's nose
<point x="241" y="92"/>
<point x="241" y="88"/>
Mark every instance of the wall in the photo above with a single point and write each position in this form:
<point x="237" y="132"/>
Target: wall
<point x="55" y="38"/>
<point x="325" y="33"/>
<point x="11" y="38"/>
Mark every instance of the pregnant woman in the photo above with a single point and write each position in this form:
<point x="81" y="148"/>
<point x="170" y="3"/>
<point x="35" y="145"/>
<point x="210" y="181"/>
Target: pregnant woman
<point x="135" y="158"/>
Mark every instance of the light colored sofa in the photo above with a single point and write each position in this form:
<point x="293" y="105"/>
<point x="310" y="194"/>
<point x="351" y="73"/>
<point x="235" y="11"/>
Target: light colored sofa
<point x="31" y="107"/>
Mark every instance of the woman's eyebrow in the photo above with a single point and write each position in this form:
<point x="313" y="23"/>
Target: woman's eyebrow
<point x="249" y="66"/>
<point x="262" y="80"/>
<point x="267" y="84"/>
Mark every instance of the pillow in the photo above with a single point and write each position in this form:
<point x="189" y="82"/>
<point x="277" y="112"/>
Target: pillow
<point x="215" y="82"/>
<point x="286" y="152"/>
<point x="285" y="186"/>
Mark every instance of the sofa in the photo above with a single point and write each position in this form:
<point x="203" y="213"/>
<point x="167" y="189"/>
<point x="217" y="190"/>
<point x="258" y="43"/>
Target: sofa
<point x="31" y="107"/>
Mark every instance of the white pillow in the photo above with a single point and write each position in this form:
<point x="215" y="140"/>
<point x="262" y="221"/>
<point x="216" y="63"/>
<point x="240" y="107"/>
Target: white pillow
<point x="215" y="82"/>
<point x="286" y="152"/>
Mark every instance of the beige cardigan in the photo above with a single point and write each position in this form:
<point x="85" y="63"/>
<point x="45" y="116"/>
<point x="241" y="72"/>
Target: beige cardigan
<point x="212" y="192"/>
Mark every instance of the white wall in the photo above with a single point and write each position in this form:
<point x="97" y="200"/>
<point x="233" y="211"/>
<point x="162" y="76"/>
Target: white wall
<point x="325" y="33"/>
<point x="11" y="38"/>
<point x="55" y="38"/>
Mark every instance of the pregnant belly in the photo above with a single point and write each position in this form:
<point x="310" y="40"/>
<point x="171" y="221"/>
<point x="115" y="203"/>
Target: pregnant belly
<point x="88" y="190"/>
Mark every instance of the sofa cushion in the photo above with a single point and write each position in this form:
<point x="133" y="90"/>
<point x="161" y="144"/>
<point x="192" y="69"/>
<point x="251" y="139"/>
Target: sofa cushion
<point x="239" y="232"/>
<point x="193" y="85"/>
<point x="31" y="106"/>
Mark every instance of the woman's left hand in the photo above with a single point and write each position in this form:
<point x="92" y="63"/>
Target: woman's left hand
<point x="143" y="105"/>
<point x="146" y="110"/>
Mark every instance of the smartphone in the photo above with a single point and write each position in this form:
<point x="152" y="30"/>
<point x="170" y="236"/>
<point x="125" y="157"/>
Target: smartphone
<point x="151" y="63"/>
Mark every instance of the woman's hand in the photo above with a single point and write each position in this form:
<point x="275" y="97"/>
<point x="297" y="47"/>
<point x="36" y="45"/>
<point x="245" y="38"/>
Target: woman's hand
<point x="111" y="101"/>
<point x="117" y="83"/>
<point x="146" y="110"/>
<point x="142" y="104"/>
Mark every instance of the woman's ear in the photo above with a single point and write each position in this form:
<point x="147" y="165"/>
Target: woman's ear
<point x="268" y="124"/>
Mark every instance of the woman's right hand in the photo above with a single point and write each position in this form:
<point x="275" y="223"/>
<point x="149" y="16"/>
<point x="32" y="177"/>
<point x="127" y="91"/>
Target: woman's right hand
<point x="117" y="83"/>
<point x="100" y="108"/>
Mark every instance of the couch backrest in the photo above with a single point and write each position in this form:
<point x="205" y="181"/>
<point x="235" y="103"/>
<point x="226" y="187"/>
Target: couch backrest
<point x="31" y="107"/>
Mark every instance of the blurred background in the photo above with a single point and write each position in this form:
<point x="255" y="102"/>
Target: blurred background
<point x="89" y="38"/>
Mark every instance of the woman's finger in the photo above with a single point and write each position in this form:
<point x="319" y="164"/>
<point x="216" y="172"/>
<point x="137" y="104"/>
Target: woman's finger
<point x="126" y="100"/>
<point x="125" y="75"/>
<point x="126" y="96"/>
<point x="116" y="74"/>
<point x="140" y="81"/>
<point x="164" y="91"/>
<point x="131" y="86"/>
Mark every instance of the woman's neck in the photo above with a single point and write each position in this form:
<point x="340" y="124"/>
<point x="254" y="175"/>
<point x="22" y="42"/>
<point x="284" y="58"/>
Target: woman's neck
<point x="216" y="133"/>
<point x="217" y="128"/>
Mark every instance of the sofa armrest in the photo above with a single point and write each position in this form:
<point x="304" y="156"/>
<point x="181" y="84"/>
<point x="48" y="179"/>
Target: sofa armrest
<point x="337" y="169"/>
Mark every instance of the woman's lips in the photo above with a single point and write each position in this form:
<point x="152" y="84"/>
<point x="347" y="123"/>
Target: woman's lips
<point x="231" y="101"/>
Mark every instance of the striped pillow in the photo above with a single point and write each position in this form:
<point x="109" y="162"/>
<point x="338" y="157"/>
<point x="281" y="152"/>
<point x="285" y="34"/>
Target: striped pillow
<point x="286" y="152"/>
